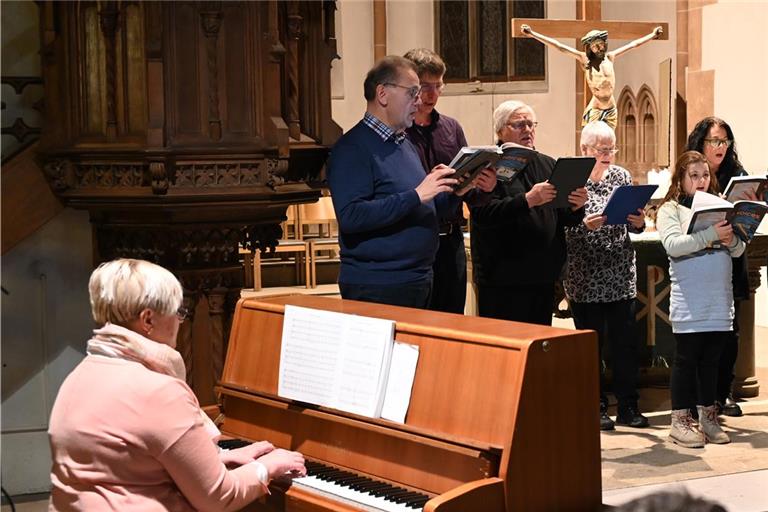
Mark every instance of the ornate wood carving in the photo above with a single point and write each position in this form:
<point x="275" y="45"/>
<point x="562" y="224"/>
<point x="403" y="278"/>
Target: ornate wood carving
<point x="210" y="19"/>
<point x="108" y="17"/>
<point x="169" y="122"/>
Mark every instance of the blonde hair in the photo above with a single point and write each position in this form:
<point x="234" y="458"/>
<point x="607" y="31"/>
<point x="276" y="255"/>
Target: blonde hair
<point x="595" y="130"/>
<point x="506" y="109"/>
<point x="123" y="288"/>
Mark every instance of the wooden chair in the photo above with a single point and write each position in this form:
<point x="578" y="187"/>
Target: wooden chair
<point x="300" y="248"/>
<point x="320" y="214"/>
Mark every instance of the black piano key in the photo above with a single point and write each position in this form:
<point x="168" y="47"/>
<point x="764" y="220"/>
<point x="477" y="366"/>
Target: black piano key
<point x="418" y="504"/>
<point x="411" y="496"/>
<point x="392" y="496"/>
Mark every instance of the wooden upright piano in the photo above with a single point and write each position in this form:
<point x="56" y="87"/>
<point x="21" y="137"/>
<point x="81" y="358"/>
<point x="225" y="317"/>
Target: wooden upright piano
<point x="503" y="416"/>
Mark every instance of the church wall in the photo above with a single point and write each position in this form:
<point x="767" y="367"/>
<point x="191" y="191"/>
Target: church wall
<point x="740" y="62"/>
<point x="46" y="320"/>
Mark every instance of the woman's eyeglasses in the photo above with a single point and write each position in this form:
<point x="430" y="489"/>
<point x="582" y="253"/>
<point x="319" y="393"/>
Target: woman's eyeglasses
<point x="604" y="151"/>
<point x="182" y="313"/>
<point x="412" y="92"/>
<point x="716" y="143"/>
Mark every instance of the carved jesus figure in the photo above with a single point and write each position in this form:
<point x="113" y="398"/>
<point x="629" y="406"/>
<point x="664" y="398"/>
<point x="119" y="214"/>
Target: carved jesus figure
<point x="598" y="67"/>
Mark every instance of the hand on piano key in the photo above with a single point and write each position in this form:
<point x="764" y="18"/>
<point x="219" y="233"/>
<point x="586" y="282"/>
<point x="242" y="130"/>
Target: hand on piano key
<point x="360" y="489"/>
<point x="245" y="454"/>
<point x="281" y="463"/>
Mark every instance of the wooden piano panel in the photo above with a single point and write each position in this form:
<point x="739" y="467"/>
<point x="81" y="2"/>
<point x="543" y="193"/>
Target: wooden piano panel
<point x="481" y="385"/>
<point x="427" y="464"/>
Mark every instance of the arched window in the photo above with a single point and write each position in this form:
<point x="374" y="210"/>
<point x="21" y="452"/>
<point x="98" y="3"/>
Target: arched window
<point x="637" y="133"/>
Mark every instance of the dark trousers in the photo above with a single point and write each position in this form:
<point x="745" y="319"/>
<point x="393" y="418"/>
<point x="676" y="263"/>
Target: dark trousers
<point x="615" y="325"/>
<point x="449" y="285"/>
<point x="530" y="304"/>
<point x="694" y="372"/>
<point x="410" y="295"/>
<point x="728" y="359"/>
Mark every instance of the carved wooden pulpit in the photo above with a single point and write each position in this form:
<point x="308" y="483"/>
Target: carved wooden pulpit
<point x="186" y="129"/>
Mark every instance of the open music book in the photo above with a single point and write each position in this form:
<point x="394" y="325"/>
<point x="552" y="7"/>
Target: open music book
<point x="343" y="361"/>
<point x="744" y="216"/>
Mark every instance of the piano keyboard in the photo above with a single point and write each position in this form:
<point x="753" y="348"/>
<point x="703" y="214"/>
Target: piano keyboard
<point x="360" y="490"/>
<point x="368" y="493"/>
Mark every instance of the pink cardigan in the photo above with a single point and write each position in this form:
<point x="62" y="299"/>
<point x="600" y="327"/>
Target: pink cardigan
<point x="126" y="438"/>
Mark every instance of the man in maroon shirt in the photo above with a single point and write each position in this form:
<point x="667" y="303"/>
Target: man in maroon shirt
<point x="438" y="138"/>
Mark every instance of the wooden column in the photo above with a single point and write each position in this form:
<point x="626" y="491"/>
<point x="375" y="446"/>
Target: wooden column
<point x="379" y="29"/>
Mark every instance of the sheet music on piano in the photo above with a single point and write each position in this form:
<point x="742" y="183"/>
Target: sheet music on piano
<point x="335" y="359"/>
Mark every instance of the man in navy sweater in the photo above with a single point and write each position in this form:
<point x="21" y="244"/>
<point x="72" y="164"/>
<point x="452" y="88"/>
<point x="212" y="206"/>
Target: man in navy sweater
<point x="386" y="203"/>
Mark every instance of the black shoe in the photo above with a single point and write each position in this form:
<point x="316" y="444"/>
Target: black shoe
<point x="730" y="408"/>
<point x="631" y="417"/>
<point x="606" y="423"/>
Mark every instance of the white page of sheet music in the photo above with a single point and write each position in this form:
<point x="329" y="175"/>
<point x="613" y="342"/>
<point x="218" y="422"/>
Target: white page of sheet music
<point x="335" y="359"/>
<point x="402" y="371"/>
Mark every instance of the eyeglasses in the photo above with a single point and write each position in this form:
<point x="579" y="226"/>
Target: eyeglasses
<point x="432" y="86"/>
<point x="698" y="177"/>
<point x="716" y="143"/>
<point x="519" y="125"/>
<point x="413" y="91"/>
<point x="182" y="313"/>
<point x="604" y="151"/>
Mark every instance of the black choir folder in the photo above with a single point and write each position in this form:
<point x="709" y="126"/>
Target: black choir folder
<point x="470" y="161"/>
<point x="626" y="200"/>
<point x="507" y="159"/>
<point x="569" y="174"/>
<point x="347" y="362"/>
<point x="744" y="216"/>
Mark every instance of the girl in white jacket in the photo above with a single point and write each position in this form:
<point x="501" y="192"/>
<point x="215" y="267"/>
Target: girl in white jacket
<point x="701" y="301"/>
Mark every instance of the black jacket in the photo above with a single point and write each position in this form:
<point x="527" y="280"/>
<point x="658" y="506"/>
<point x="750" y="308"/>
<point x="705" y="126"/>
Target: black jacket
<point x="516" y="245"/>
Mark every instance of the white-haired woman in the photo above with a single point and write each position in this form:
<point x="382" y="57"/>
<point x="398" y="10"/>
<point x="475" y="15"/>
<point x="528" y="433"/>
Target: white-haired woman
<point x="126" y="431"/>
<point x="601" y="278"/>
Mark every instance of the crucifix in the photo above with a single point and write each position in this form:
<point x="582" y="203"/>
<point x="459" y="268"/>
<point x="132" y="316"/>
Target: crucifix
<point x="589" y="69"/>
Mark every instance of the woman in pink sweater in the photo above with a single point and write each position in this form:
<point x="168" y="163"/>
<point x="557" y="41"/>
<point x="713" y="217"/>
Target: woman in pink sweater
<point x="126" y="431"/>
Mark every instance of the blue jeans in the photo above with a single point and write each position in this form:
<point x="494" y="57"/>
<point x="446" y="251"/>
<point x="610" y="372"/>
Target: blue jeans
<point x="410" y="295"/>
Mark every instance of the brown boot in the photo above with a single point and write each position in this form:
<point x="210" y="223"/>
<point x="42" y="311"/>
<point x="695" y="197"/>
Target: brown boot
<point x="710" y="426"/>
<point x="684" y="431"/>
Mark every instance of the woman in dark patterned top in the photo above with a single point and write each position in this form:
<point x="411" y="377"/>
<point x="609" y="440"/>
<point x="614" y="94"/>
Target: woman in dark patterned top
<point x="601" y="278"/>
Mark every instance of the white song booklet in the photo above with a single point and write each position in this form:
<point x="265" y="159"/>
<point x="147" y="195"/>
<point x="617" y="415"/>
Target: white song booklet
<point x="345" y="361"/>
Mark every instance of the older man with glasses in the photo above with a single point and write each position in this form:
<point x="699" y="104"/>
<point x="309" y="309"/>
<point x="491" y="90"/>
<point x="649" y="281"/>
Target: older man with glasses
<point x="518" y="242"/>
<point x="386" y="203"/>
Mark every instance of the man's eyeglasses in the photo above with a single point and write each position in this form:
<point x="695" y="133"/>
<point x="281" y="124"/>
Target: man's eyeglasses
<point x="519" y="125"/>
<point x="698" y="177"/>
<point x="604" y="151"/>
<point x="182" y="313"/>
<point x="716" y="143"/>
<point x="432" y="86"/>
<point x="413" y="91"/>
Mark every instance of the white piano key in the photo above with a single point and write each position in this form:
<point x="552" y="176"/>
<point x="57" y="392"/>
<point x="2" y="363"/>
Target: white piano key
<point x="370" y="502"/>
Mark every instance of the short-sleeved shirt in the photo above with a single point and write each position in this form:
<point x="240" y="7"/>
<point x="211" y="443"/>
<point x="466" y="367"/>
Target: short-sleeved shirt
<point x="601" y="263"/>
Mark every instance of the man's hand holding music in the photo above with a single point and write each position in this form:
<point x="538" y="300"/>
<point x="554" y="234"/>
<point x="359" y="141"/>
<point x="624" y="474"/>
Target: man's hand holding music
<point x="525" y="29"/>
<point x="486" y="180"/>
<point x="577" y="198"/>
<point x="436" y="182"/>
<point x="540" y="193"/>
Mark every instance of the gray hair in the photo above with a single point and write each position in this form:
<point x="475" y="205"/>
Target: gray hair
<point x="506" y="109"/>
<point x="595" y="130"/>
<point x="121" y="289"/>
